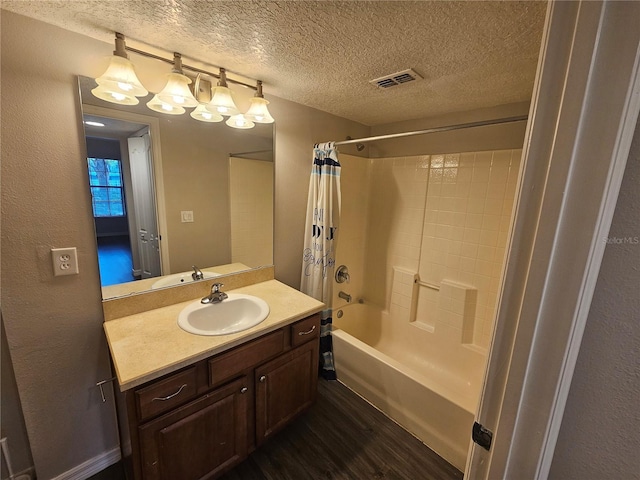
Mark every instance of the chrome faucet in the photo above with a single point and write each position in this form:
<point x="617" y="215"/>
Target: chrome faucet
<point x="345" y="296"/>
<point x="216" y="296"/>
<point x="197" y="273"/>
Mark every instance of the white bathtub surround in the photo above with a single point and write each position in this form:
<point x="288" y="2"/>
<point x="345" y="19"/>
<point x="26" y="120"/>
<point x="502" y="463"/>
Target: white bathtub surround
<point x="457" y="308"/>
<point x="417" y="350"/>
<point x="469" y="203"/>
<point x="403" y="294"/>
<point x="418" y="378"/>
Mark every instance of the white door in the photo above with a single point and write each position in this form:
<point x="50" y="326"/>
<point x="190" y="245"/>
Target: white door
<point x="584" y="110"/>
<point x="141" y="164"/>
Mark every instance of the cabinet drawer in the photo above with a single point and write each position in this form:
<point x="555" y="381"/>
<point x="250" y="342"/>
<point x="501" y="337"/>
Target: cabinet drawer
<point x="230" y="364"/>
<point x="305" y="330"/>
<point x="166" y="394"/>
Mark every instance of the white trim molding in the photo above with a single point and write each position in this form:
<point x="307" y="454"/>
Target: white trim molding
<point x="92" y="466"/>
<point x="583" y="115"/>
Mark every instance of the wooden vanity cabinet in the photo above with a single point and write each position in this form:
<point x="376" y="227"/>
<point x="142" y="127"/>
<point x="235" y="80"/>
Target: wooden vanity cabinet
<point x="285" y="387"/>
<point x="200" y="421"/>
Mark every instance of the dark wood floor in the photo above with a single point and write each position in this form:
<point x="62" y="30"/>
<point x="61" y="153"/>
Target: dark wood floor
<point x="340" y="437"/>
<point x="114" y="258"/>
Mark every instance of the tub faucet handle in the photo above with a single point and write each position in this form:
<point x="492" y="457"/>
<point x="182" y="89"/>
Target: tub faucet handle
<point x="342" y="274"/>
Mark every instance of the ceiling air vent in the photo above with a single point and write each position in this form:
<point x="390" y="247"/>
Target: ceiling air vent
<point x="398" y="78"/>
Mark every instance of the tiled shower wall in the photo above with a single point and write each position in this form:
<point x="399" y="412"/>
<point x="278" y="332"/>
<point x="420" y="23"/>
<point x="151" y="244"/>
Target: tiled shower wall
<point x="445" y="217"/>
<point x="469" y="202"/>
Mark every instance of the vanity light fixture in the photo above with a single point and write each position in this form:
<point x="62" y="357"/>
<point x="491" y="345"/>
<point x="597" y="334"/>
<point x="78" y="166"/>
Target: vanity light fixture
<point x="158" y="105"/>
<point x="119" y="83"/>
<point x="258" y="111"/>
<point x="240" y="121"/>
<point x="202" y="113"/>
<point x="222" y="101"/>
<point x="176" y="92"/>
<point x="94" y="124"/>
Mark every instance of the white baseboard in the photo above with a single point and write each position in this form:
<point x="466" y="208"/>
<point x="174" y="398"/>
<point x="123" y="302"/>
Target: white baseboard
<point x="91" y="466"/>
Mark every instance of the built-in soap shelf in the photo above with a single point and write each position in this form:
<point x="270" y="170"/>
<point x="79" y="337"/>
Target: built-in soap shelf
<point x="450" y="304"/>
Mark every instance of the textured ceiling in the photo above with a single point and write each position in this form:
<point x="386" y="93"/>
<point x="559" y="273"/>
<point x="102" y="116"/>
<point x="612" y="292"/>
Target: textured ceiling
<point x="472" y="54"/>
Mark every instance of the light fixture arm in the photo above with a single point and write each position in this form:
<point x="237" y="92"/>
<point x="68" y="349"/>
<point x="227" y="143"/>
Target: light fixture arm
<point x="177" y="63"/>
<point x="121" y="47"/>
<point x="222" y="82"/>
<point x="259" y="89"/>
<point x="184" y="66"/>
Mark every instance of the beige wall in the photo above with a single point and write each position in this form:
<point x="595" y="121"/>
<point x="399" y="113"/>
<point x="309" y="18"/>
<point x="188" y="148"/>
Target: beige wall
<point x="54" y="325"/>
<point x="298" y="129"/>
<point x="600" y="433"/>
<point x="494" y="137"/>
<point x="11" y="419"/>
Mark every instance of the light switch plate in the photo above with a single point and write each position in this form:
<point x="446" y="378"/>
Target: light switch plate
<point x="187" y="216"/>
<point x="65" y="261"/>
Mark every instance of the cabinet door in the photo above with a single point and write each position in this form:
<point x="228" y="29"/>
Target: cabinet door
<point x="284" y="388"/>
<point x="200" y="439"/>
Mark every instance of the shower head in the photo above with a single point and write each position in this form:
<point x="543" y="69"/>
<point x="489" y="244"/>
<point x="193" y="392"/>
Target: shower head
<point x="359" y="146"/>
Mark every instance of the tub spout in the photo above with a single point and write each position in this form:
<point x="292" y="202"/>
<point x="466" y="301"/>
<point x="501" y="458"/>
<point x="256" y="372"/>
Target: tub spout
<point x="345" y="296"/>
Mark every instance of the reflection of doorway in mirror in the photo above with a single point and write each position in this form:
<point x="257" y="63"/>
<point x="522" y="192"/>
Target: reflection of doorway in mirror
<point x="127" y="233"/>
<point x="251" y="195"/>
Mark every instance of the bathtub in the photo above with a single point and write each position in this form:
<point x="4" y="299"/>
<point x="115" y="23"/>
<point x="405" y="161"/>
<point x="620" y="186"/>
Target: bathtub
<point x="427" y="384"/>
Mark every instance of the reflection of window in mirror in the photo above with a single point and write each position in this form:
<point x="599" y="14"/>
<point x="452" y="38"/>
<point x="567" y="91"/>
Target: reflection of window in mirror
<point x="109" y="197"/>
<point x="107" y="189"/>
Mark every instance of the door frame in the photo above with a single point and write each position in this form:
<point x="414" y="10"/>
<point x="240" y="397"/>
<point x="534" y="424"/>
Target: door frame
<point x="154" y="133"/>
<point x="583" y="116"/>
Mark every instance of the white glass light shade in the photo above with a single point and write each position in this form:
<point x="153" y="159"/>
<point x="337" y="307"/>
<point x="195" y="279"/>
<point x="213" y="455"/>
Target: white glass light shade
<point x="120" y="77"/>
<point x="239" y="121"/>
<point x="204" y="115"/>
<point x="158" y="105"/>
<point x="114" y="95"/>
<point x="176" y="92"/>
<point x="222" y="102"/>
<point x="258" y="111"/>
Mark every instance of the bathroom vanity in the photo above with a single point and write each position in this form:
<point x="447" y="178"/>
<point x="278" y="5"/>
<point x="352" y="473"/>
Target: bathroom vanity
<point x="194" y="406"/>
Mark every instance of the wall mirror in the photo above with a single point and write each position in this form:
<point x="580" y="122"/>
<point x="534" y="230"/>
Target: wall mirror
<point x="170" y="193"/>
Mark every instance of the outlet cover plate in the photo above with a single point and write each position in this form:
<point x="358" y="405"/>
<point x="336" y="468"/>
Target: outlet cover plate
<point x="65" y="261"/>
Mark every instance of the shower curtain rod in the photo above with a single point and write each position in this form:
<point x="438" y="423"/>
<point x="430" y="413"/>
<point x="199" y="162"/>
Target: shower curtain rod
<point x="446" y="128"/>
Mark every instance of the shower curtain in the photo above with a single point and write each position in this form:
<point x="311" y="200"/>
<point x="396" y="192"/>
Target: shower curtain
<point x="320" y="237"/>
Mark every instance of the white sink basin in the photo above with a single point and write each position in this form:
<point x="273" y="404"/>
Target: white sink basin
<point x="179" y="279"/>
<point x="236" y="313"/>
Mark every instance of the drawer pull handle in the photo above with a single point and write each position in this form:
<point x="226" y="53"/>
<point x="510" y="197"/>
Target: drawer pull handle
<point x="308" y="332"/>
<point x="164" y="399"/>
<point x="263" y="378"/>
<point x="243" y="390"/>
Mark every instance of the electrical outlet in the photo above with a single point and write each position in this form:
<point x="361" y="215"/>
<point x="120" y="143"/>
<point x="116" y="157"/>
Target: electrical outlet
<point x="65" y="261"/>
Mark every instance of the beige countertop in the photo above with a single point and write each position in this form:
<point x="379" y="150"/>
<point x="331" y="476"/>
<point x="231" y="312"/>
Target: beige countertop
<point x="148" y="345"/>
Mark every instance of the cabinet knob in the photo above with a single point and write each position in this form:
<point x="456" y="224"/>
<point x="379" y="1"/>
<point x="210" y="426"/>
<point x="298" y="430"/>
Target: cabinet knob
<point x="243" y="390"/>
<point x="263" y="378"/>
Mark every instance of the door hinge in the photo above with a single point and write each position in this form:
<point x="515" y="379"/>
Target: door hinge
<point x="481" y="436"/>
